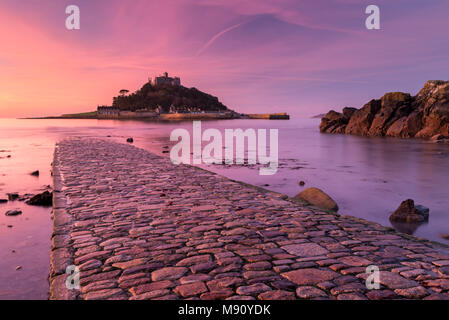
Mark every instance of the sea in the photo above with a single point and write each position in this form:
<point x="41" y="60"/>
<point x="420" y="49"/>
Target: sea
<point x="367" y="176"/>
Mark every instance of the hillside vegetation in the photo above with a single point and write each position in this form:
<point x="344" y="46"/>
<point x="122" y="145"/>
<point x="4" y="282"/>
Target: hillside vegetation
<point x="184" y="99"/>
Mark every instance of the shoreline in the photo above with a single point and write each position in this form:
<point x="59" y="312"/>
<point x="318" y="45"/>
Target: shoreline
<point x="176" y="207"/>
<point x="173" y="117"/>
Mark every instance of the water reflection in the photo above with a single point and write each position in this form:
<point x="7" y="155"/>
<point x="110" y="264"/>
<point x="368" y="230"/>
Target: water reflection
<point x="407" y="227"/>
<point x="368" y="177"/>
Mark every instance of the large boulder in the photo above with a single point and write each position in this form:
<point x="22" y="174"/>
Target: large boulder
<point x="318" y="198"/>
<point x="332" y="121"/>
<point x="408" y="212"/>
<point x="393" y="106"/>
<point x="42" y="199"/>
<point x="335" y="122"/>
<point x="361" y="120"/>
<point x="407" y="126"/>
<point x="434" y="100"/>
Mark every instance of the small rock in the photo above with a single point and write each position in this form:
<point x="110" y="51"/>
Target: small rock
<point x="130" y="140"/>
<point x="301" y="183"/>
<point x="168" y="273"/>
<point x="308" y="292"/>
<point x="9" y="226"/>
<point x="438" y="137"/>
<point x="253" y="289"/>
<point x="18" y="267"/>
<point x="42" y="199"/>
<point x="35" y="173"/>
<point x="277" y="295"/>
<point x="309" y="276"/>
<point x="14" y="212"/>
<point x="191" y="289"/>
<point x="13" y="196"/>
<point x="408" y="212"/>
<point x="3" y="200"/>
<point x="318" y="198"/>
<point x="444" y="236"/>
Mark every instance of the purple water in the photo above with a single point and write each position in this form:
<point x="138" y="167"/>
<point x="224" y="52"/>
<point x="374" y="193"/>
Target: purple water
<point x="367" y="177"/>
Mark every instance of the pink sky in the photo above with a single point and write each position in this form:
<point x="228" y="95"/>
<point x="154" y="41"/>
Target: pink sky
<point x="256" y="56"/>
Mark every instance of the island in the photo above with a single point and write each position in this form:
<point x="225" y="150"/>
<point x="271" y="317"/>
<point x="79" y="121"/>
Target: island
<point x="163" y="98"/>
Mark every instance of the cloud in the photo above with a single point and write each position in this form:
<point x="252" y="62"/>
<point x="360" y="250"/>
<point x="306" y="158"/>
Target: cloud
<point x="218" y="35"/>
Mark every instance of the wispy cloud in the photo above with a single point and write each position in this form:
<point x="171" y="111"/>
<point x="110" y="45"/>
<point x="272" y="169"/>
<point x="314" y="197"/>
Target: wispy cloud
<point x="217" y="36"/>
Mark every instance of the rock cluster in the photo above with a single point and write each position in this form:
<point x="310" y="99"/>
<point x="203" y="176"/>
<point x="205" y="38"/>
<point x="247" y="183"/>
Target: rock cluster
<point x="397" y="114"/>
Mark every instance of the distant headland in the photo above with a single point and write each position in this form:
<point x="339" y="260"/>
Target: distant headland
<point x="164" y="98"/>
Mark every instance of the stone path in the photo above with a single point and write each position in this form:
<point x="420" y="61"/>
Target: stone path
<point x="139" y="227"/>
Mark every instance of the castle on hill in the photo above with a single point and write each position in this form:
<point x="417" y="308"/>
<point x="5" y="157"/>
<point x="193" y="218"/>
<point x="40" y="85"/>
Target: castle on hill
<point x="165" y="79"/>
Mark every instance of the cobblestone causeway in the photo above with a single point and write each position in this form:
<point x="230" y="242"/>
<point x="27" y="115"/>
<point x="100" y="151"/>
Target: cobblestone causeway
<point x="139" y="227"/>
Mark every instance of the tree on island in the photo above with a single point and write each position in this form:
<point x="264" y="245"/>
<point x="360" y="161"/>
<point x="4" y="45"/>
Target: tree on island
<point x="123" y="92"/>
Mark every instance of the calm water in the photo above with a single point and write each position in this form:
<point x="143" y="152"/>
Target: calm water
<point x="368" y="178"/>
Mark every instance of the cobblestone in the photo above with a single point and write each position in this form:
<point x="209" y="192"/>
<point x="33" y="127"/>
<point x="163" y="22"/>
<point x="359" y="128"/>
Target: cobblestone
<point x="139" y="227"/>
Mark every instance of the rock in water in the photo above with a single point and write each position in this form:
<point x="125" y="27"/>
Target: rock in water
<point x="397" y="114"/>
<point x="13" y="196"/>
<point x="318" y="198"/>
<point x="3" y="200"/>
<point x="130" y="140"/>
<point x="14" y="212"/>
<point x="35" y="173"/>
<point x="43" y="199"/>
<point x="408" y="212"/>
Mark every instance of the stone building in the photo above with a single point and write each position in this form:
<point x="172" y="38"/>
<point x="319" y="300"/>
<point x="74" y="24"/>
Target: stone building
<point x="108" y="112"/>
<point x="165" y="79"/>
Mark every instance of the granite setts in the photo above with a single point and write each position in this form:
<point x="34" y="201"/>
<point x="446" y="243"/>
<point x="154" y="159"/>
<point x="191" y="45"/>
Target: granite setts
<point x="139" y="227"/>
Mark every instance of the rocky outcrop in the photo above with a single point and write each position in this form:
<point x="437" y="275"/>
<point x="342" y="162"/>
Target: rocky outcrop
<point x="396" y="114"/>
<point x="318" y="198"/>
